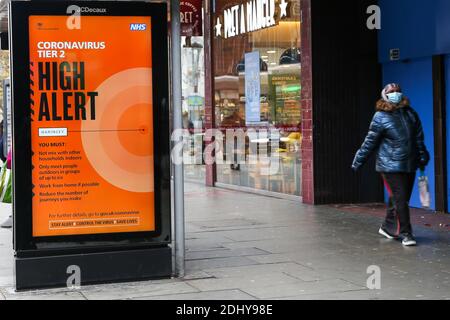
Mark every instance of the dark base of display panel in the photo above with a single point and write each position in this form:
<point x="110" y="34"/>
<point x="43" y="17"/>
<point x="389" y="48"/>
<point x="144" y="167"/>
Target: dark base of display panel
<point x="94" y="268"/>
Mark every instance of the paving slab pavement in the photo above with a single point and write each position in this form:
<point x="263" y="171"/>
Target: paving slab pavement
<point x="205" y="295"/>
<point x="243" y="246"/>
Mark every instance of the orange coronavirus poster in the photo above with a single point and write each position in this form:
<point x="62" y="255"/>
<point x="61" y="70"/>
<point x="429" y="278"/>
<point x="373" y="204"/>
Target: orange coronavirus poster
<point x="92" y="125"/>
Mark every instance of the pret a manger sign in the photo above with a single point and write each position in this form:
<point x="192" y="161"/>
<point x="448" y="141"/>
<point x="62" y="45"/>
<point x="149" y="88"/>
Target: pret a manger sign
<point x="250" y="16"/>
<point x="191" y="18"/>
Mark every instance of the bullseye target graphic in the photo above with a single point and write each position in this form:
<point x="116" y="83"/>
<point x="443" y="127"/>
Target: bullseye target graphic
<point x="119" y="143"/>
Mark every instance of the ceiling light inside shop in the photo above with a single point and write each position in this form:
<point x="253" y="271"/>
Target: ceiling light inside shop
<point x="271" y="51"/>
<point x="264" y="57"/>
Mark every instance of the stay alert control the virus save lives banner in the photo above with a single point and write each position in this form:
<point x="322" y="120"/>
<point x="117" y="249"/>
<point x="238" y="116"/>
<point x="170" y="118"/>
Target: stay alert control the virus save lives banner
<point x="92" y="125"/>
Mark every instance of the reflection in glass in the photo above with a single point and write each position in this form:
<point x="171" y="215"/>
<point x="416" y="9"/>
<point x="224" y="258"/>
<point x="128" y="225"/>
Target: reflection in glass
<point x="279" y="50"/>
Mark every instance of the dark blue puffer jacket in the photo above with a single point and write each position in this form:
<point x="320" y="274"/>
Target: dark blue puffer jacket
<point x="396" y="134"/>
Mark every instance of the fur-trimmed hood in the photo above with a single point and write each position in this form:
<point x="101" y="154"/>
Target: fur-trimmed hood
<point x="386" y="106"/>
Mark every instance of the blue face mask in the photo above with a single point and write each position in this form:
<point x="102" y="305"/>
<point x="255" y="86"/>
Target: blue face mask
<point x="395" y="97"/>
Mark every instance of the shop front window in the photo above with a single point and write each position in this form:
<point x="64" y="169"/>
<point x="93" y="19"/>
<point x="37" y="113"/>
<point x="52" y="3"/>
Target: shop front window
<point x="193" y="88"/>
<point x="257" y="54"/>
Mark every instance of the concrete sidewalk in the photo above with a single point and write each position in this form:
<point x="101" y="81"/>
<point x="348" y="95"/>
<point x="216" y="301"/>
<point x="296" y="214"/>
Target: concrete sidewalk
<point x="245" y="246"/>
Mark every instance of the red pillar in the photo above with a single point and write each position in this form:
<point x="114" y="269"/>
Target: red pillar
<point x="209" y="84"/>
<point x="307" y="153"/>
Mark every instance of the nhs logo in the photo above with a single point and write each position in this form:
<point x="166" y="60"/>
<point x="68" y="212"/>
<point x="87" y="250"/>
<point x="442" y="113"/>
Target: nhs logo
<point x="138" y="27"/>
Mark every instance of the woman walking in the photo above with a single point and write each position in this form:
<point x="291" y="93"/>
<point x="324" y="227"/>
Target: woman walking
<point x="396" y="134"/>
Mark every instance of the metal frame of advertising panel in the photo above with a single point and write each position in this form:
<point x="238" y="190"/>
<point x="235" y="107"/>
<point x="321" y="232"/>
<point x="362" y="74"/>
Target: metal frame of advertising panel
<point x="128" y="255"/>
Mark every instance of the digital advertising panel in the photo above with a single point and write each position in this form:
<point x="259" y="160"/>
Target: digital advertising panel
<point x="90" y="141"/>
<point x="92" y="125"/>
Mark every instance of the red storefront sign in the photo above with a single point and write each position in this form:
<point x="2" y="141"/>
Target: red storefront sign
<point x="191" y="18"/>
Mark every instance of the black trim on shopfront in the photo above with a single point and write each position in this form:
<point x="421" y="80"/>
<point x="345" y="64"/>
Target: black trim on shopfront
<point x="346" y="86"/>
<point x="440" y="133"/>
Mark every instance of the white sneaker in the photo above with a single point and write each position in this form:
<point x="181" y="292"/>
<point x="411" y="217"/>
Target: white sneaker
<point x="409" y="241"/>
<point x="386" y="234"/>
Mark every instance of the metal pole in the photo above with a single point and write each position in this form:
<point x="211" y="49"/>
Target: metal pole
<point x="178" y="175"/>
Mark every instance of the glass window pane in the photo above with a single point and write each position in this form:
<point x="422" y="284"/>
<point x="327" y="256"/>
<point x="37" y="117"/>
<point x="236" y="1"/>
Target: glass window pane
<point x="257" y="89"/>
